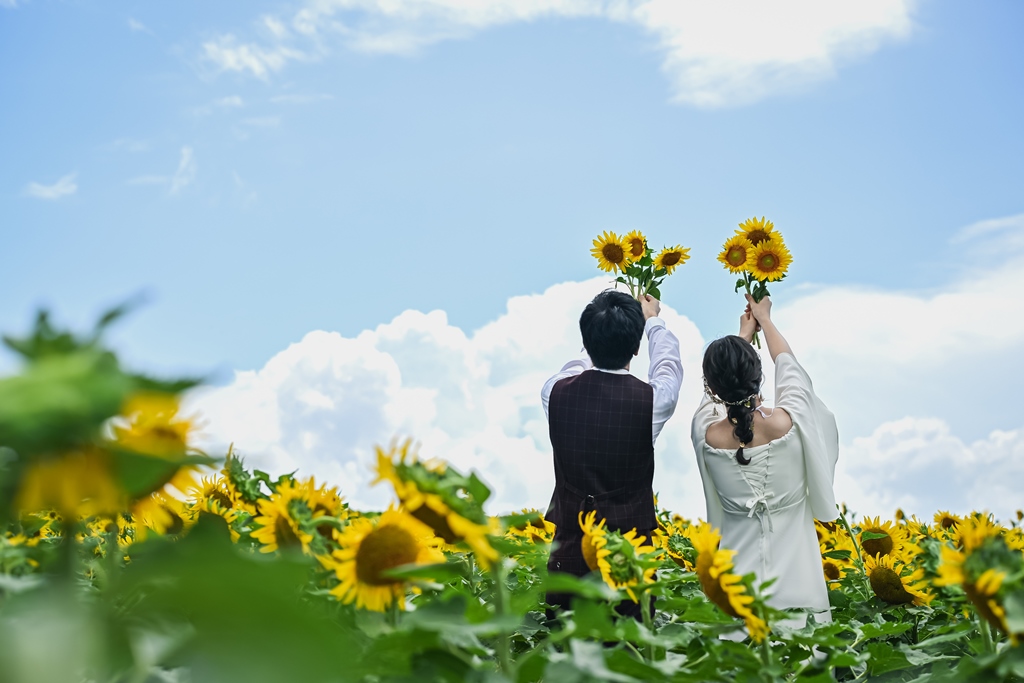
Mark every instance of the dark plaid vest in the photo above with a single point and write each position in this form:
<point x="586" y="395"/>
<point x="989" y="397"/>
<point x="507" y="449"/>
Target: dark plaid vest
<point x="600" y="427"/>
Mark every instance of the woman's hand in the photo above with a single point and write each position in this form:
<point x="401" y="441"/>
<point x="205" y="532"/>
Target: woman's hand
<point x="761" y="310"/>
<point x="748" y="325"/>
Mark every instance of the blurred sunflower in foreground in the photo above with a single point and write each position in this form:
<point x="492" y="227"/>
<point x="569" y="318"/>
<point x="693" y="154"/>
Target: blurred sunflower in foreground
<point x="727" y="590"/>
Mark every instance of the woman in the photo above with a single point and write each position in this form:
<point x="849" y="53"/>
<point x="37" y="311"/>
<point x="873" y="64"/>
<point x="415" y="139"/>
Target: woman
<point x="767" y="473"/>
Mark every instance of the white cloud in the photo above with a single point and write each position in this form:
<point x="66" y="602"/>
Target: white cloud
<point x="186" y="172"/>
<point x="226" y="54"/>
<point x="1012" y="225"/>
<point x="724" y="53"/>
<point x="182" y="178"/>
<point x="322" y="404"/>
<point x="138" y="27"/>
<point x="62" y="188"/>
<point x="325" y="402"/>
<point x="917" y="464"/>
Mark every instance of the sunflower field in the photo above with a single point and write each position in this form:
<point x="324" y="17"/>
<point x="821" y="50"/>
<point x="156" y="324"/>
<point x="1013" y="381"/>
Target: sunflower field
<point x="129" y="556"/>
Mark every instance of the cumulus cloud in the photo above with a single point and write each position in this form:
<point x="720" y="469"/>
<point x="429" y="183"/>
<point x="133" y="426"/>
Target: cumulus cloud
<point x="324" y="403"/>
<point x="919" y="465"/>
<point x="715" y="54"/>
<point x="62" y="188"/>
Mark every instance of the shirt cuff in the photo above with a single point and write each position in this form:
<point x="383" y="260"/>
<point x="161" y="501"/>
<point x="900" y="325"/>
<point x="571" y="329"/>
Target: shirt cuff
<point x="653" y="322"/>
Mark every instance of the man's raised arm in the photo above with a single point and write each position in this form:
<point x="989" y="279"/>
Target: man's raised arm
<point x="666" y="371"/>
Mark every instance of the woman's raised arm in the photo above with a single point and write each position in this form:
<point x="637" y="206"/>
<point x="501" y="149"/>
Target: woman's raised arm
<point x="762" y="312"/>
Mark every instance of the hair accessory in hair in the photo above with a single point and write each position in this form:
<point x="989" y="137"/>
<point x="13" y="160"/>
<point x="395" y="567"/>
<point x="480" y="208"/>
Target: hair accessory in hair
<point x="745" y="402"/>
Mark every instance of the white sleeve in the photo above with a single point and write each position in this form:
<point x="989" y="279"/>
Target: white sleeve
<point x="666" y="372"/>
<point x="573" y="367"/>
<point x="817" y="430"/>
<point x="704" y="416"/>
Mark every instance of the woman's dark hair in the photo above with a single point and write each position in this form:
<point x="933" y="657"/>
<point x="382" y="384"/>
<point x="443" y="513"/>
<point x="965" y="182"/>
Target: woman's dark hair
<point x="612" y="326"/>
<point x="733" y="371"/>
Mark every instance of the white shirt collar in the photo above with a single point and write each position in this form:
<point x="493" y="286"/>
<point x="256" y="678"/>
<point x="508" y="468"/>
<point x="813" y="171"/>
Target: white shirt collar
<point x="621" y="371"/>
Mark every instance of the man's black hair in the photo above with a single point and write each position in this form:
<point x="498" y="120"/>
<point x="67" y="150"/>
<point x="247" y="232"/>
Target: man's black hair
<point x="612" y="326"/>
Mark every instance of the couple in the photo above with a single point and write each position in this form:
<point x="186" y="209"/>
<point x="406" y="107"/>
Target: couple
<point x="767" y="473"/>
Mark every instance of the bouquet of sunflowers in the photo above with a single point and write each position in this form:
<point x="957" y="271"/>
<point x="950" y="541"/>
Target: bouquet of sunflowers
<point x="638" y="268"/>
<point x="758" y="255"/>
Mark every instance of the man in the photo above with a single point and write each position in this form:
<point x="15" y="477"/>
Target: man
<point x="603" y="423"/>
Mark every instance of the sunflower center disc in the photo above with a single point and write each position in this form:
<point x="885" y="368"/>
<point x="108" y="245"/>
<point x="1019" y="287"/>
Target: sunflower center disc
<point x="613" y="253"/>
<point x="384" y="548"/>
<point x="436" y="522"/>
<point x="889" y="586"/>
<point x="877" y="546"/>
<point x="768" y="262"/>
<point x="671" y="258"/>
<point x="284" y="533"/>
<point x="737" y="256"/>
<point x="637" y="248"/>
<point x="757" y="236"/>
<point x="831" y="571"/>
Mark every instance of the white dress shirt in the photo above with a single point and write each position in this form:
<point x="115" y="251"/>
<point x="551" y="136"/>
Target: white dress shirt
<point x="665" y="375"/>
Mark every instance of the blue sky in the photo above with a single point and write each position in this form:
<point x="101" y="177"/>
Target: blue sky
<point x="333" y="178"/>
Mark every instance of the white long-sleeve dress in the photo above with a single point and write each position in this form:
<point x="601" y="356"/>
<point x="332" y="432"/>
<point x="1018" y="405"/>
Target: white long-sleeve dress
<point x="766" y="510"/>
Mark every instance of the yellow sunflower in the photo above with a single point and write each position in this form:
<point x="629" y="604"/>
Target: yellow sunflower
<point x="637" y="245"/>
<point x="233" y="467"/>
<point x="972" y="531"/>
<point x="734" y="253"/>
<point x="535" y="530"/>
<point x="211" y="495"/>
<point x="612" y="252"/>
<point x="278" y="526"/>
<point x="670" y="258"/>
<point x="372" y="546"/>
<point x="946" y="519"/>
<point x="324" y="502"/>
<point x="430" y="508"/>
<point x="722" y="587"/>
<point x="757" y="230"/>
<point x="618" y="561"/>
<point x="896" y="583"/>
<point x="595" y="538"/>
<point x="835" y="568"/>
<point x="982" y="592"/>
<point x="769" y="260"/>
<point x="153" y="427"/>
<point x="161" y="514"/>
<point x="893" y="541"/>
<point x="74" y="483"/>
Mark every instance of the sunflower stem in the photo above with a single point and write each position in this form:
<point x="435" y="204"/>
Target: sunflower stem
<point x="503" y="608"/>
<point x="645" y="610"/>
<point x="860" y="557"/>
<point x="986" y="634"/>
<point x="756" y="339"/>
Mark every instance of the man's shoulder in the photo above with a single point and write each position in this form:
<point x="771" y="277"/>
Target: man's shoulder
<point x="595" y="378"/>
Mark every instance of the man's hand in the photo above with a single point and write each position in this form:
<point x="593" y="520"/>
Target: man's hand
<point x="650" y="306"/>
<point x="748" y="325"/>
